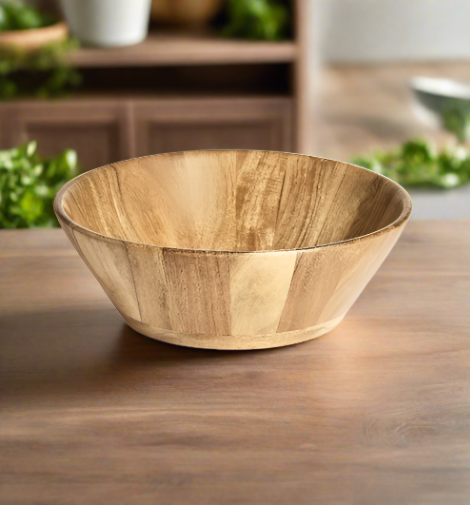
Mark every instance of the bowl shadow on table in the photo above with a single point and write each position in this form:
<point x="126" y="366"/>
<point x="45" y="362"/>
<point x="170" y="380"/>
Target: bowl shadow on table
<point x="78" y="352"/>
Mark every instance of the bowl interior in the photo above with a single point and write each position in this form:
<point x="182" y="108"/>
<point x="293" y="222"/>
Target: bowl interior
<point x="232" y="201"/>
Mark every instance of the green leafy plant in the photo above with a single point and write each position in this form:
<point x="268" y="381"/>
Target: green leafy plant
<point x="28" y="184"/>
<point x="17" y="15"/>
<point x="257" y="19"/>
<point x="455" y="117"/>
<point x="42" y="72"/>
<point x="54" y="74"/>
<point x="419" y="163"/>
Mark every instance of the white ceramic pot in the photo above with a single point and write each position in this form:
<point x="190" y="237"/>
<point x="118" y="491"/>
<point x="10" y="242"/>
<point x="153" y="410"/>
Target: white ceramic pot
<point x="108" y="23"/>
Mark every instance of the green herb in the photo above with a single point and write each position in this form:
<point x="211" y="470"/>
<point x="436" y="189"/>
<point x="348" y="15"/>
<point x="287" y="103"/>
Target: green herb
<point x="257" y="19"/>
<point x="53" y="73"/>
<point x="17" y="15"/>
<point x="28" y="184"/>
<point x="455" y="116"/>
<point x="419" y="163"/>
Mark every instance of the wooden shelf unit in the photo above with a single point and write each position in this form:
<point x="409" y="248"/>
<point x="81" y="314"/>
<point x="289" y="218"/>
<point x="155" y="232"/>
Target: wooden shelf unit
<point x="176" y="48"/>
<point x="189" y="91"/>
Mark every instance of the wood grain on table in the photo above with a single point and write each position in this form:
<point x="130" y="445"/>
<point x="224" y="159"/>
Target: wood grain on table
<point x="375" y="412"/>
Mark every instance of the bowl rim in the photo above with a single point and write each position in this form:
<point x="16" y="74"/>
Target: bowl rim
<point x="63" y="216"/>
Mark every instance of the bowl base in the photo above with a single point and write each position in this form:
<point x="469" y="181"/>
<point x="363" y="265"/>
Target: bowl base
<point x="233" y="342"/>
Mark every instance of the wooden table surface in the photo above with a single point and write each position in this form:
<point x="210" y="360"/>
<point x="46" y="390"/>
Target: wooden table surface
<point x="376" y="412"/>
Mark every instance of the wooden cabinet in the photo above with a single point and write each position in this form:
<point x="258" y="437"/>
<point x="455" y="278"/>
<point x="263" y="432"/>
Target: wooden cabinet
<point x="97" y="130"/>
<point x="179" y="90"/>
<point x="238" y="123"/>
<point x="108" y="130"/>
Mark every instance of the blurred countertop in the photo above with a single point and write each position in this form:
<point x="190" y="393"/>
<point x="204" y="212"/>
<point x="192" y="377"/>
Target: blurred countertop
<point x="363" y="107"/>
<point x="370" y="106"/>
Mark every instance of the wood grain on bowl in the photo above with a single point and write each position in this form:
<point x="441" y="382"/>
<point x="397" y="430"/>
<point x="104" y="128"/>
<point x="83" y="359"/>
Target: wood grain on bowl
<point x="232" y="249"/>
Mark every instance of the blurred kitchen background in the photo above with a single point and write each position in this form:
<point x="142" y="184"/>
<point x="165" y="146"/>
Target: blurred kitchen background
<point x="331" y="78"/>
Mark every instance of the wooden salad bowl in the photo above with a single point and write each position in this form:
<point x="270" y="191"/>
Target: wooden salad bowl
<point x="232" y="249"/>
<point x="33" y="39"/>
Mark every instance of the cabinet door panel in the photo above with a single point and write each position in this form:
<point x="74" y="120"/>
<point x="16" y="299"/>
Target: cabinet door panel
<point x="180" y="125"/>
<point x="97" y="131"/>
<point x="96" y="145"/>
<point x="184" y="137"/>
